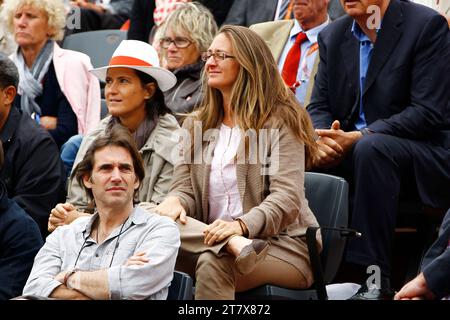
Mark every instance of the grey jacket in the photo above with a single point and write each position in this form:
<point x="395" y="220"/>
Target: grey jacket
<point x="186" y="94"/>
<point x="157" y="156"/>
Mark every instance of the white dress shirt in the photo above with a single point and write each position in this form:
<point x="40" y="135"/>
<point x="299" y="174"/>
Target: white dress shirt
<point x="306" y="59"/>
<point x="223" y="195"/>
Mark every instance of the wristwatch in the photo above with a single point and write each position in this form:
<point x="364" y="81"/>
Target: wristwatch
<point x="365" y="131"/>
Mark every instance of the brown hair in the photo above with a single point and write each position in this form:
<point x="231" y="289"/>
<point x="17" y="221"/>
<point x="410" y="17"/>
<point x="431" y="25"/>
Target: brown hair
<point x="119" y="136"/>
<point x="259" y="94"/>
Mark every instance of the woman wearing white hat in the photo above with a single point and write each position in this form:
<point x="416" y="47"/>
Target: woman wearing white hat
<point x="133" y="91"/>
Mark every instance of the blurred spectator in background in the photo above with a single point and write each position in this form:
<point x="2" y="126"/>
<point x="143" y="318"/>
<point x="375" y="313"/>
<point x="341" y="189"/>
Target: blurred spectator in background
<point x="55" y="86"/>
<point x="218" y="8"/>
<point x="102" y="14"/>
<point x="146" y="18"/>
<point x="147" y="15"/>
<point x="7" y="43"/>
<point x="294" y="44"/>
<point x="249" y="12"/>
<point x="187" y="32"/>
<point x="32" y="171"/>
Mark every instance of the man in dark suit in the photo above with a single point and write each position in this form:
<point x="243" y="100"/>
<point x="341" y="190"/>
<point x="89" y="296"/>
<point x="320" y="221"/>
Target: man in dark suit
<point x="32" y="172"/>
<point x="20" y="241"/>
<point x="433" y="282"/>
<point x="249" y="12"/>
<point x="381" y="99"/>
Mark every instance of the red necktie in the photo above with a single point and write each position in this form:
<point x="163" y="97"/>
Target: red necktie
<point x="290" y="67"/>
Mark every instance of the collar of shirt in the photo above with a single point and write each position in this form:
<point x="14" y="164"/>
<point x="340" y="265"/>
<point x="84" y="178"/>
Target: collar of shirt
<point x="137" y="216"/>
<point x="311" y="34"/>
<point x="359" y="34"/>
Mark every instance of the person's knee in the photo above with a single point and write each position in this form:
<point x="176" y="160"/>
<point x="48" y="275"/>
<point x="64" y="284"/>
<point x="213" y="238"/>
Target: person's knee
<point x="215" y="277"/>
<point x="367" y="145"/>
<point x="208" y="264"/>
<point x="379" y="148"/>
<point x="375" y="146"/>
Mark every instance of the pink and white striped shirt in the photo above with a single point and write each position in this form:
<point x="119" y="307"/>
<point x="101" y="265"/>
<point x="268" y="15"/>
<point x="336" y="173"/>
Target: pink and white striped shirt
<point x="163" y="8"/>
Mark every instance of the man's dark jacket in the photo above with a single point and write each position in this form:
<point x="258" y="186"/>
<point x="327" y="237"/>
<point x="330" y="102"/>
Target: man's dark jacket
<point x="20" y="241"/>
<point x="436" y="263"/>
<point x="406" y="92"/>
<point x="407" y="85"/>
<point x="32" y="172"/>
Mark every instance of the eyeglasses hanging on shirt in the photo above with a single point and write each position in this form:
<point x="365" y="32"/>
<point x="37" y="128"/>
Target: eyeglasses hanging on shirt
<point x="85" y="244"/>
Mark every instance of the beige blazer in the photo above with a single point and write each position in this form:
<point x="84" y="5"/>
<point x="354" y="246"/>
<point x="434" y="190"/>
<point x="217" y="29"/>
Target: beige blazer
<point x="274" y="206"/>
<point x="276" y="34"/>
<point x="156" y="155"/>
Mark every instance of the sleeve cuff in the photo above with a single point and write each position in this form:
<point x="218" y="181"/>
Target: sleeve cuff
<point x="433" y="277"/>
<point x="252" y="223"/>
<point x="47" y="291"/>
<point x="115" y="290"/>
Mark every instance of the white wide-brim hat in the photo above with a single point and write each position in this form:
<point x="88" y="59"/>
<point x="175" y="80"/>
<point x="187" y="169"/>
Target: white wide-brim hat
<point x="141" y="56"/>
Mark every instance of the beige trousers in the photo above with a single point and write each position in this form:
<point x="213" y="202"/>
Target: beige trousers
<point x="215" y="273"/>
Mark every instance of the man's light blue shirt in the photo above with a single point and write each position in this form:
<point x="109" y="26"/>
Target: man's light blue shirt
<point x="365" y="55"/>
<point x="72" y="246"/>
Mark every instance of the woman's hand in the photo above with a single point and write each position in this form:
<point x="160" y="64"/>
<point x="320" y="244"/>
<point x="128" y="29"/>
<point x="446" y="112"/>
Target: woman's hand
<point x="62" y="214"/>
<point x="219" y="230"/>
<point x="48" y="123"/>
<point x="171" y="207"/>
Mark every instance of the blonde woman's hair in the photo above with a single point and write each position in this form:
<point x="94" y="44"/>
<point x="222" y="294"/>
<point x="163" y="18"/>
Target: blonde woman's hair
<point x="259" y="94"/>
<point x="54" y="10"/>
<point x="193" y="19"/>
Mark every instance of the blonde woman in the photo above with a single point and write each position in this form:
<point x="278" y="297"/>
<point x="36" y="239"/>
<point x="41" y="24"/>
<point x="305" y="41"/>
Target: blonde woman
<point x="242" y="222"/>
<point x="55" y="86"/>
<point x="187" y="32"/>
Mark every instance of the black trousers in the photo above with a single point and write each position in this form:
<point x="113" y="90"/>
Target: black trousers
<point x="380" y="168"/>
